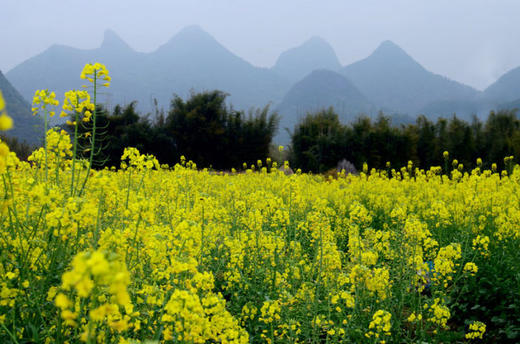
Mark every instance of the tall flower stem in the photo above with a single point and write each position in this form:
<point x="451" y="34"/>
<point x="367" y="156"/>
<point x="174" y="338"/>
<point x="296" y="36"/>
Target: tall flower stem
<point x="45" y="125"/>
<point x="93" y="137"/>
<point x="74" y="152"/>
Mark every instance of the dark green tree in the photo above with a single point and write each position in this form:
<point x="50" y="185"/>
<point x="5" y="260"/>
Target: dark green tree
<point x="212" y="134"/>
<point x="426" y="143"/>
<point x="499" y="132"/>
<point x="317" y="141"/>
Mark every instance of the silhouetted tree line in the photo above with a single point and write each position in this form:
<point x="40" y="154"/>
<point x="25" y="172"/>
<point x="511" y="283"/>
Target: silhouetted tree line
<point x="206" y="130"/>
<point x="22" y="148"/>
<point x="202" y="128"/>
<point x="319" y="141"/>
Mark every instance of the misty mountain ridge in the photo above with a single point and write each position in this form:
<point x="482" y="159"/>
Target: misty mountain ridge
<point x="195" y="60"/>
<point x="191" y="39"/>
<point x="191" y="60"/>
<point x="320" y="90"/>
<point x="111" y="41"/>
<point x="59" y="67"/>
<point x="315" y="53"/>
<point x="514" y="105"/>
<point x="389" y="79"/>
<point x="506" y="88"/>
<point x="26" y="126"/>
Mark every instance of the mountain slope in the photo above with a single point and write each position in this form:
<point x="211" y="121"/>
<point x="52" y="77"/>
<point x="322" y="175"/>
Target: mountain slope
<point x="506" y="88"/>
<point x="320" y="89"/>
<point x="59" y="67"/>
<point x="514" y="105"/>
<point x="26" y="127"/>
<point x="192" y="59"/>
<point x="390" y="78"/>
<point x="315" y="53"/>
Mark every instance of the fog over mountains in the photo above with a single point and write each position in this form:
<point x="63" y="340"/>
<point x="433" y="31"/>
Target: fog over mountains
<point x="191" y="60"/>
<point x="319" y="90"/>
<point x="506" y="88"/>
<point x="25" y="125"/>
<point x="394" y="80"/>
<point x="304" y="78"/>
<point x="294" y="64"/>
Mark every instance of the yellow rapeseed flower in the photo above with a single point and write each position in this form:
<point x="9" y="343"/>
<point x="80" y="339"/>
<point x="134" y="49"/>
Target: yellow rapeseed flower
<point x="476" y="330"/>
<point x="96" y="73"/>
<point x="6" y="122"/>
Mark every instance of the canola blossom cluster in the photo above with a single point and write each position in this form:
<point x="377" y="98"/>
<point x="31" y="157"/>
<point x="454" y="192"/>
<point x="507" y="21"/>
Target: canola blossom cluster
<point x="181" y="255"/>
<point x="95" y="73"/>
<point x="6" y="122"/>
<point x="77" y="102"/>
<point x="147" y="253"/>
<point x="44" y="99"/>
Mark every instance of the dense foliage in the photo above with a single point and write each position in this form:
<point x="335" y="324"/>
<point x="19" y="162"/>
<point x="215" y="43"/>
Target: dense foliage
<point x="21" y="148"/>
<point x="211" y="134"/>
<point x="319" y="141"/>
<point x="202" y="128"/>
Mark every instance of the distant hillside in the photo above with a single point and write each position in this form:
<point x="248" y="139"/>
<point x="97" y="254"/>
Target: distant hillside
<point x="192" y="59"/>
<point x="464" y="109"/>
<point x="316" y="53"/>
<point x="26" y="126"/>
<point x="390" y="78"/>
<point x="506" y="88"/>
<point x="320" y="89"/>
<point x="511" y="106"/>
<point x="59" y="67"/>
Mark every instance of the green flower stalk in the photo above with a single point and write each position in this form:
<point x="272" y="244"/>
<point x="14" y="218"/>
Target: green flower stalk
<point x="42" y="101"/>
<point x="97" y="74"/>
<point x="77" y="103"/>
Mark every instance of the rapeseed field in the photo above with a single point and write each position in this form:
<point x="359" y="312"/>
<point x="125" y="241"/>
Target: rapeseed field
<point x="144" y="253"/>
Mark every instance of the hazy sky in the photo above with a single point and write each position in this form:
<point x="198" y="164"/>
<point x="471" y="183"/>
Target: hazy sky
<point x="471" y="41"/>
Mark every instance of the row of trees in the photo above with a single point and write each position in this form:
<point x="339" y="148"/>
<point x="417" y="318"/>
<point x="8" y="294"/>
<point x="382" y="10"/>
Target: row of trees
<point x="21" y="148"/>
<point x="202" y="128"/>
<point x="212" y="134"/>
<point x="319" y="141"/>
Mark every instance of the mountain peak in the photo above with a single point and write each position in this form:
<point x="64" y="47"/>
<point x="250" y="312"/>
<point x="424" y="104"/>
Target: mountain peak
<point x="320" y="89"/>
<point x="393" y="79"/>
<point x="317" y="41"/>
<point x="390" y="48"/>
<point x="193" y="33"/>
<point x="314" y="53"/>
<point x="389" y="45"/>
<point x="506" y="88"/>
<point x="192" y="38"/>
<point x="390" y="54"/>
<point x="193" y="30"/>
<point x="111" y="40"/>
